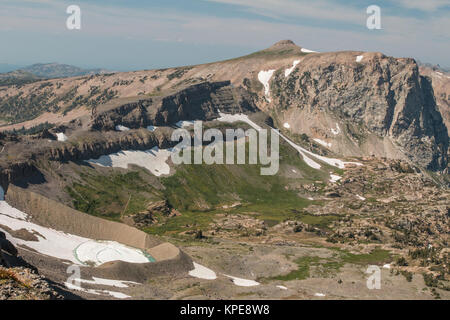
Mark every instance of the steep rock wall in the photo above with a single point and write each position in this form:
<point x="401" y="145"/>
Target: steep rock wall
<point x="197" y="102"/>
<point x="384" y="95"/>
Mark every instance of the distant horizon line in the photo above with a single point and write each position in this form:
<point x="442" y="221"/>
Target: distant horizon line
<point x="16" y="67"/>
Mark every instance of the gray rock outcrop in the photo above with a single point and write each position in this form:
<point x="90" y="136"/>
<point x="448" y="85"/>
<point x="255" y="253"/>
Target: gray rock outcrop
<point x="381" y="95"/>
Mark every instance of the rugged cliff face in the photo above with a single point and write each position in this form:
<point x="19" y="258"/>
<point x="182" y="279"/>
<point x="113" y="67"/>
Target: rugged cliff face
<point x="441" y="87"/>
<point x="197" y="102"/>
<point x="367" y="94"/>
<point x="355" y="103"/>
<point x="202" y="102"/>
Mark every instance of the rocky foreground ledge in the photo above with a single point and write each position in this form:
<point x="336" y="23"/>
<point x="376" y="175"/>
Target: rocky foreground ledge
<point x="21" y="282"/>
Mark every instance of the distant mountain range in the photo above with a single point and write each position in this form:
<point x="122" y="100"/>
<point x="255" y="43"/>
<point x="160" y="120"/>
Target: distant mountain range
<point x="433" y="66"/>
<point x="57" y="70"/>
<point x="5" y="67"/>
<point x="16" y="75"/>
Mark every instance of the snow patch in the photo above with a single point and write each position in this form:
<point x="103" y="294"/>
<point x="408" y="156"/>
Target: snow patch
<point x="231" y="118"/>
<point x="100" y="252"/>
<point x="311" y="199"/>
<point x="318" y="294"/>
<point x="308" y="51"/>
<point x="184" y="123"/>
<point x="335" y="178"/>
<point x="243" y="282"/>
<point x="202" y="272"/>
<point x="108" y="282"/>
<point x="122" y="128"/>
<point x="323" y="143"/>
<point x="360" y="197"/>
<point x="337" y="130"/>
<point x="313" y="164"/>
<point x="264" y="78"/>
<point x="282" y="287"/>
<point x="154" y="160"/>
<point x="302" y="151"/>
<point x="61" y="137"/>
<point x="359" y="58"/>
<point x="7" y="210"/>
<point x="287" y="125"/>
<point x="117" y="295"/>
<point x="288" y="71"/>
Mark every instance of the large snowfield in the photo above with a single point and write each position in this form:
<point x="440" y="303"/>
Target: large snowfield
<point x="61" y="245"/>
<point x="72" y="248"/>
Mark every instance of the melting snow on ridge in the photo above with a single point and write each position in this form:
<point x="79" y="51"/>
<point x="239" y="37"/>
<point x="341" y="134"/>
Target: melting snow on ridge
<point x="288" y="71"/>
<point x="264" y="78"/>
<point x="202" y="272"/>
<point x="65" y="246"/>
<point x="243" y="282"/>
<point x="313" y="164"/>
<point x="308" y="51"/>
<point x="230" y="118"/>
<point x="154" y="160"/>
<point x="122" y="128"/>
<point x="359" y="58"/>
<point x="337" y="130"/>
<point x="61" y="137"/>
<point x="323" y="143"/>
<point x="305" y="153"/>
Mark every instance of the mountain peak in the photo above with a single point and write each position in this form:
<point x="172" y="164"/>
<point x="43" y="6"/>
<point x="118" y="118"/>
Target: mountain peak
<point x="283" y="44"/>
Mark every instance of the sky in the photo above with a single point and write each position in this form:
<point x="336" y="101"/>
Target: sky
<point x="125" y="35"/>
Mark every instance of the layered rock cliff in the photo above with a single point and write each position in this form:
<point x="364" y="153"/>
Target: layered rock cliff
<point x="197" y="102"/>
<point x="367" y="94"/>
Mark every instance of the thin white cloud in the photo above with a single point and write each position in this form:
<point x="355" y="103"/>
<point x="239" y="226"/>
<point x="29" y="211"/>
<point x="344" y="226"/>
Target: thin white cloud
<point x="324" y="8"/>
<point x="424" y="5"/>
<point x="318" y="9"/>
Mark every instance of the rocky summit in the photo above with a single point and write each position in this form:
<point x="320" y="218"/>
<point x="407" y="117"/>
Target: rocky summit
<point x="88" y="182"/>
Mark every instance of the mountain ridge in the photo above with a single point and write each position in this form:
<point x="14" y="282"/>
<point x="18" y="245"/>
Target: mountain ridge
<point x="360" y="72"/>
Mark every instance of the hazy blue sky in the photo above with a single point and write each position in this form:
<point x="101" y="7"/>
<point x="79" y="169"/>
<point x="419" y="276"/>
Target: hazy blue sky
<point x="132" y="34"/>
